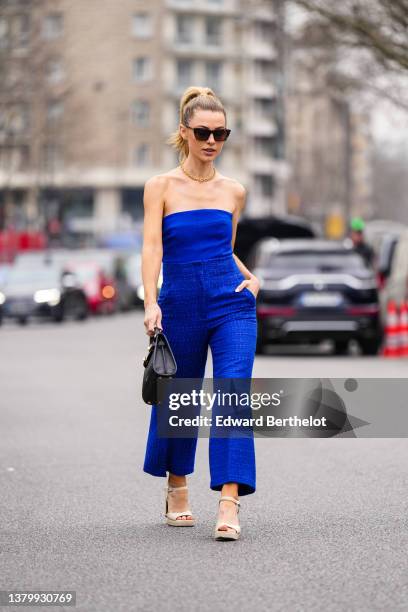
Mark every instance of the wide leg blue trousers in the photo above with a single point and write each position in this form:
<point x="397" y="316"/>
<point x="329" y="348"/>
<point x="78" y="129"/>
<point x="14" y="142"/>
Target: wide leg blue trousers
<point x="201" y="309"/>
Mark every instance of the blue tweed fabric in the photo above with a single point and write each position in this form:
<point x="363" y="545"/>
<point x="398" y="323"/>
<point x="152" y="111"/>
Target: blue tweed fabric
<point x="201" y="309"/>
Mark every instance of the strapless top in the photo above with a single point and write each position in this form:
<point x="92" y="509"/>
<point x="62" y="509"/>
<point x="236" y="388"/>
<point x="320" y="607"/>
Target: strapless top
<point x="196" y="235"/>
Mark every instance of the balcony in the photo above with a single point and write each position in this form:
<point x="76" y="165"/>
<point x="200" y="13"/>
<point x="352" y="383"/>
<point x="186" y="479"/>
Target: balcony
<point x="259" y="163"/>
<point x="229" y="95"/>
<point x="258" y="49"/>
<point x="226" y="8"/>
<point x="260" y="89"/>
<point x="197" y="50"/>
<point x="261" y="126"/>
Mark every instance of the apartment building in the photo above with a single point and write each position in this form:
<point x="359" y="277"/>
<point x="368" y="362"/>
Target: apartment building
<point x="90" y="92"/>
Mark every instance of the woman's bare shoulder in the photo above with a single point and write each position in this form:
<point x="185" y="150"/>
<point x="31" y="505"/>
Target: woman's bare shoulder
<point x="162" y="179"/>
<point x="231" y="183"/>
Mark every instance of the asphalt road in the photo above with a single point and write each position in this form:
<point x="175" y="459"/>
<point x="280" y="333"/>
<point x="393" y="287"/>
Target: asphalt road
<point x="326" y="530"/>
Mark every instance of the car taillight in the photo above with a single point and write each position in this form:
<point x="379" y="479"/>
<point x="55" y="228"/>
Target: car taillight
<point x="270" y="311"/>
<point x="363" y="309"/>
<point x="380" y="280"/>
<point x="108" y="292"/>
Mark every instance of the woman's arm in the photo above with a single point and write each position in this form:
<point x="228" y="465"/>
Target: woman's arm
<point x="251" y="281"/>
<point x="152" y="249"/>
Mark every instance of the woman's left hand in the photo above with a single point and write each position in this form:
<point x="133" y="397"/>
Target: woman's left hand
<point x="252" y="284"/>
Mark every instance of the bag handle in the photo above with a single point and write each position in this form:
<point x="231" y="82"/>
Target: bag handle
<point x="157" y="331"/>
<point x="152" y="340"/>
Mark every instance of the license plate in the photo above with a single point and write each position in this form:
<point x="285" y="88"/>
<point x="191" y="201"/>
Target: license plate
<point x="317" y="298"/>
<point x="19" y="308"/>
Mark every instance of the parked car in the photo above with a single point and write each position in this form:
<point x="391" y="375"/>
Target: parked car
<point x="126" y="287"/>
<point x="374" y="231"/>
<point x="252" y="229"/>
<point x="385" y="256"/>
<point x="4" y="271"/>
<point x="112" y="262"/>
<point x="396" y="287"/>
<point x="42" y="291"/>
<point x="99" y="288"/>
<point x="313" y="290"/>
<point x="133" y="266"/>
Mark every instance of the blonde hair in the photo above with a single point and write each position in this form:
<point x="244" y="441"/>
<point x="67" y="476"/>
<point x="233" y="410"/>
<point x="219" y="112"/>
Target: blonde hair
<point x="193" y="97"/>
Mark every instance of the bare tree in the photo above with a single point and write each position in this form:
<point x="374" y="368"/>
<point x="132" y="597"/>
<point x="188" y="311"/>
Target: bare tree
<point x="380" y="26"/>
<point x="30" y="97"/>
<point x="371" y="37"/>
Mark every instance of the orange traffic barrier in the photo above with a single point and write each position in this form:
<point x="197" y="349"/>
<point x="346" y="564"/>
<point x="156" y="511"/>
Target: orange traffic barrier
<point x="391" y="332"/>
<point x="403" y="330"/>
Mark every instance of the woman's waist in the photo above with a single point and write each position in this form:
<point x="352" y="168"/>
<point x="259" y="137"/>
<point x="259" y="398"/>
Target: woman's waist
<point x="215" y="268"/>
<point x="197" y="260"/>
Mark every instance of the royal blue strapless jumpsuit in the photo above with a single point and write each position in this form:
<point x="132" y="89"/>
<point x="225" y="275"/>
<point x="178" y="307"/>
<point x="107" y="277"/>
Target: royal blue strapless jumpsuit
<point x="201" y="309"/>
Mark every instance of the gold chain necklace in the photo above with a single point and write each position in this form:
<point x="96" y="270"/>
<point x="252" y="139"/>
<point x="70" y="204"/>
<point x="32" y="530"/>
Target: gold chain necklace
<point x="198" y="178"/>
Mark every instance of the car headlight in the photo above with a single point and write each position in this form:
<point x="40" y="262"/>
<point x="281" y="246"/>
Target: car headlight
<point x="52" y="296"/>
<point x="2" y="298"/>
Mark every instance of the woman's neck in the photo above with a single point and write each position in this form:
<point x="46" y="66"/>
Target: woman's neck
<point x="197" y="167"/>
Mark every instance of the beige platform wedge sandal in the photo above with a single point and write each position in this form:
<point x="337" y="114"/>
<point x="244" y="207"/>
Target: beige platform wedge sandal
<point x="171" y="517"/>
<point x="220" y="534"/>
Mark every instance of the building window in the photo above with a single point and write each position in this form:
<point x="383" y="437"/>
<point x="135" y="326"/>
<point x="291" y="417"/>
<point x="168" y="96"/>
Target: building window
<point x="141" y="155"/>
<point x="12" y="75"/>
<point x="184" y="70"/>
<point x="184" y="29"/>
<point x="265" y="108"/>
<point x="55" y="110"/>
<point x="142" y="25"/>
<point x="213" y="31"/>
<point x="264" y="71"/>
<point x="264" y="31"/>
<point x="4" y="33"/>
<point x="54" y="71"/>
<point x="52" y="157"/>
<point x="141" y="113"/>
<point x="53" y="26"/>
<point x="14" y="159"/>
<point x="21" y="30"/>
<point x="213" y="74"/>
<point x="264" y="185"/>
<point x="14" y="119"/>
<point x="141" y="69"/>
<point x="265" y="146"/>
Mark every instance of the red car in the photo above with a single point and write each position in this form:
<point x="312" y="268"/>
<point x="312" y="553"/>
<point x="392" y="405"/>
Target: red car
<point x="99" y="287"/>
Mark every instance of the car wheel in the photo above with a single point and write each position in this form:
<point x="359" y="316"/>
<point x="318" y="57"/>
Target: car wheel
<point x="260" y="348"/>
<point x="341" y="347"/>
<point x="370" y="347"/>
<point x="59" y="316"/>
<point x="82" y="312"/>
<point x="22" y="320"/>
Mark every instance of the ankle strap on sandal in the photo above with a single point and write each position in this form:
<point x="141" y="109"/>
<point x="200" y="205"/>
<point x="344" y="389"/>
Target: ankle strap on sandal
<point x="228" y="498"/>
<point x="170" y="488"/>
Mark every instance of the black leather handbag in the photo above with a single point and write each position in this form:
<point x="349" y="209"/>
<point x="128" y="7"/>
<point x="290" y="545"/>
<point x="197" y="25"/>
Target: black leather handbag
<point x="158" y="363"/>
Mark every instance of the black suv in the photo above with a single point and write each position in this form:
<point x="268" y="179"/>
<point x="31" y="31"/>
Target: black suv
<point x="313" y="289"/>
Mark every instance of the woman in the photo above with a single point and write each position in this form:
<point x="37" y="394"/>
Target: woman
<point x="208" y="298"/>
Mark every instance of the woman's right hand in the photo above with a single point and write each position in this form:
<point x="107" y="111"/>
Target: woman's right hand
<point x="153" y="318"/>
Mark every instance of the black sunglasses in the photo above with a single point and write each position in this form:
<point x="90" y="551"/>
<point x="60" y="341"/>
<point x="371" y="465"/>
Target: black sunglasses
<point x="203" y="133"/>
